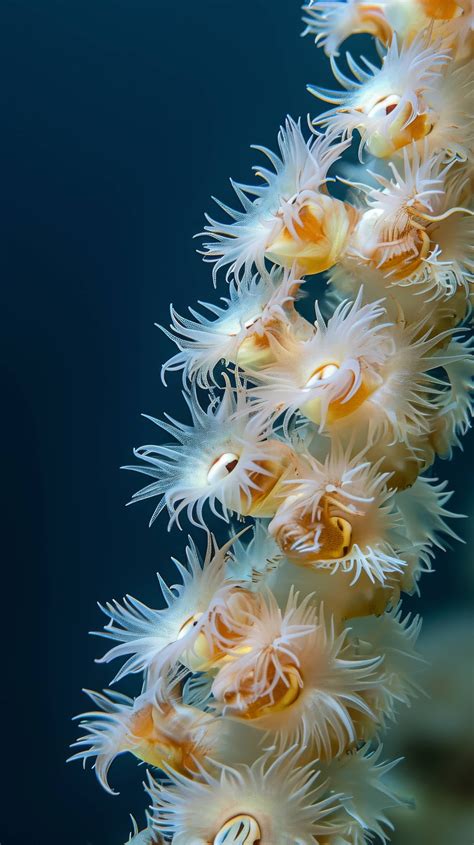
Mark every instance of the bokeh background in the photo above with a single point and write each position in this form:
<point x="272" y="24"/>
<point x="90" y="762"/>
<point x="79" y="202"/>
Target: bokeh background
<point x="119" y="119"/>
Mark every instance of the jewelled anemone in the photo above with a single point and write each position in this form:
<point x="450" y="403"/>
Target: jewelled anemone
<point x="407" y="233"/>
<point x="359" y="377"/>
<point x="225" y="459"/>
<point x="396" y="104"/>
<point x="274" y="801"/>
<point x="329" y="375"/>
<point x="239" y="332"/>
<point x="292" y="221"/>
<point x="154" y="639"/>
<point x="296" y="678"/>
<point x="340" y="515"/>
<point x="155" y="727"/>
<point x="249" y="679"/>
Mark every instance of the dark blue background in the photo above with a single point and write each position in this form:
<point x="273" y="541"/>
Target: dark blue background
<point x="119" y="119"/>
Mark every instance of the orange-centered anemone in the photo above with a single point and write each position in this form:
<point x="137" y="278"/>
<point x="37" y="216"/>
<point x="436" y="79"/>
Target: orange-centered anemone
<point x="156" y="741"/>
<point x="326" y="535"/>
<point x="242" y="830"/>
<point x="316" y="237"/>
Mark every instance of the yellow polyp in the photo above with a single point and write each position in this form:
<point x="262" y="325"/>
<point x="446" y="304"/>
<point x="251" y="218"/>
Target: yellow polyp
<point x="335" y="540"/>
<point x="242" y="829"/>
<point x="264" y="501"/>
<point x="320" y="236"/>
<point x="190" y="623"/>
<point x="386" y="141"/>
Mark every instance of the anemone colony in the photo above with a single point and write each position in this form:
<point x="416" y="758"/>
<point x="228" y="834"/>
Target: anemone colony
<point x="281" y="657"/>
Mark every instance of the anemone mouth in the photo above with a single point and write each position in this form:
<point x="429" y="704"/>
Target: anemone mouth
<point x="323" y="373"/>
<point x="222" y="466"/>
<point x="384" y="106"/>
<point x="336" y="538"/>
<point x="239" y="830"/>
<point x="327" y="535"/>
<point x="249" y="700"/>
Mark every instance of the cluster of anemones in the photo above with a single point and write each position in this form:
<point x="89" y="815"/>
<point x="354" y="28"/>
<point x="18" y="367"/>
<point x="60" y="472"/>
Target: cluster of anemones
<point x="281" y="656"/>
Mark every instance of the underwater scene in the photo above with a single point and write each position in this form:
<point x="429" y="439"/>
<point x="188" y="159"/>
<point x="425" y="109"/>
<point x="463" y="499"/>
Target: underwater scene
<point x="282" y="628"/>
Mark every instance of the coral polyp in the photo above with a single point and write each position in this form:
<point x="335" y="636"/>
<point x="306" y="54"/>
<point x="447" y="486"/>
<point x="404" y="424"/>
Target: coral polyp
<point x="267" y="676"/>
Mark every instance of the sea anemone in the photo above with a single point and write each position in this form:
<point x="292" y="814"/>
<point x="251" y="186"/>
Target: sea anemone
<point x="224" y="459"/>
<point x="296" y="678"/>
<point x="408" y="235"/>
<point x="274" y="801"/>
<point x="155" y="727"/>
<point x="238" y="334"/>
<point x="326" y="377"/>
<point x="340" y="515"/>
<point x="396" y="104"/>
<point x="152" y="639"/>
<point x="292" y="218"/>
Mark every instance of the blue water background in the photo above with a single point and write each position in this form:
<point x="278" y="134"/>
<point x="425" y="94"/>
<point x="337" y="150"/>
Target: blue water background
<point x="119" y="119"/>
